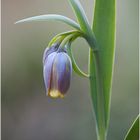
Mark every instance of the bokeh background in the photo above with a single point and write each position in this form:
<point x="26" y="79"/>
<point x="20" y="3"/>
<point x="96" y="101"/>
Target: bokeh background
<point x="27" y="114"/>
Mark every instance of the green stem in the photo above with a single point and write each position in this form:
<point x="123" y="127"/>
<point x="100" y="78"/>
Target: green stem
<point x="59" y="37"/>
<point x="69" y="37"/>
<point x="74" y="65"/>
<point x="97" y="95"/>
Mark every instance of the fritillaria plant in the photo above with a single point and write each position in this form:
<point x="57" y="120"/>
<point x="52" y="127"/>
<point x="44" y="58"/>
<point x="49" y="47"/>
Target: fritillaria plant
<point x="58" y="60"/>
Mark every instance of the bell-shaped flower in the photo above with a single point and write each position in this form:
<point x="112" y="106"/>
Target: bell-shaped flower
<point x="57" y="71"/>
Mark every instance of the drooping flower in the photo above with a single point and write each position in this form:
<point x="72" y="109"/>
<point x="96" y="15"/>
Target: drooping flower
<point x="57" y="71"/>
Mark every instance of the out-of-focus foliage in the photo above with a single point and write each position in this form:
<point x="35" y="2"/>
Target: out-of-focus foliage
<point x="133" y="132"/>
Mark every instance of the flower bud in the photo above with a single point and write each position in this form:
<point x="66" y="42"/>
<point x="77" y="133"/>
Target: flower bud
<point x="57" y="72"/>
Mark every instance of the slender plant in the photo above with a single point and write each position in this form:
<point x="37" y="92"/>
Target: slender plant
<point x="58" y="59"/>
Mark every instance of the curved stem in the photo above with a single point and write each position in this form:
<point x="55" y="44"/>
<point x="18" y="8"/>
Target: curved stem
<point x="67" y="38"/>
<point x="59" y="37"/>
<point x="74" y="65"/>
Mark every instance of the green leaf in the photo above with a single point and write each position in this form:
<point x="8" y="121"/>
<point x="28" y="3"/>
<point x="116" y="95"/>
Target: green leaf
<point x="74" y="65"/>
<point x="51" y="17"/>
<point x="80" y="14"/>
<point x="101" y="69"/>
<point x="104" y="29"/>
<point x="83" y="21"/>
<point x="133" y="132"/>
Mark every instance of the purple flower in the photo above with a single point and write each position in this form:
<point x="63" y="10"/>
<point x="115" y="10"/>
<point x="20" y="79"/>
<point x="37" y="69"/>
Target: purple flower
<point x="57" y="71"/>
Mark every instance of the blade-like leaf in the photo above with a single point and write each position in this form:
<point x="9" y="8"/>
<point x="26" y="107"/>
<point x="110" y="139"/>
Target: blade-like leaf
<point x="51" y="17"/>
<point x="104" y="29"/>
<point x="133" y="132"/>
<point x="80" y="14"/>
<point x="83" y="21"/>
<point x="101" y="70"/>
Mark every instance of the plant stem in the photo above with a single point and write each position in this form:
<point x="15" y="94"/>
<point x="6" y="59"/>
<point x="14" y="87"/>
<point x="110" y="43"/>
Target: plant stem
<point x="97" y="93"/>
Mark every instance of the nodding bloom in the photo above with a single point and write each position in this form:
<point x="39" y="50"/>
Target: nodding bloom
<point x="57" y="71"/>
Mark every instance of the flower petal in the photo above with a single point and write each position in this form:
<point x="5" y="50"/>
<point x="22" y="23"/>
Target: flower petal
<point x="62" y="70"/>
<point x="50" y="50"/>
<point x="47" y="71"/>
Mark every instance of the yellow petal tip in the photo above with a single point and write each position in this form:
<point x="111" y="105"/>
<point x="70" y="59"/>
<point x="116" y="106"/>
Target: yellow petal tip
<point x="55" y="94"/>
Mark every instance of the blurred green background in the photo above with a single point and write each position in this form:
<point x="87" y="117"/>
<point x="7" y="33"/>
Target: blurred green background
<point x="27" y="114"/>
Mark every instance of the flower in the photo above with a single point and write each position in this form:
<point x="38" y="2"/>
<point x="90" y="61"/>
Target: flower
<point x="57" y="71"/>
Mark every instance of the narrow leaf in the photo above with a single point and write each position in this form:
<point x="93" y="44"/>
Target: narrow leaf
<point x="104" y="30"/>
<point x="51" y="17"/>
<point x="133" y="132"/>
<point x="80" y="14"/>
<point x="83" y="21"/>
